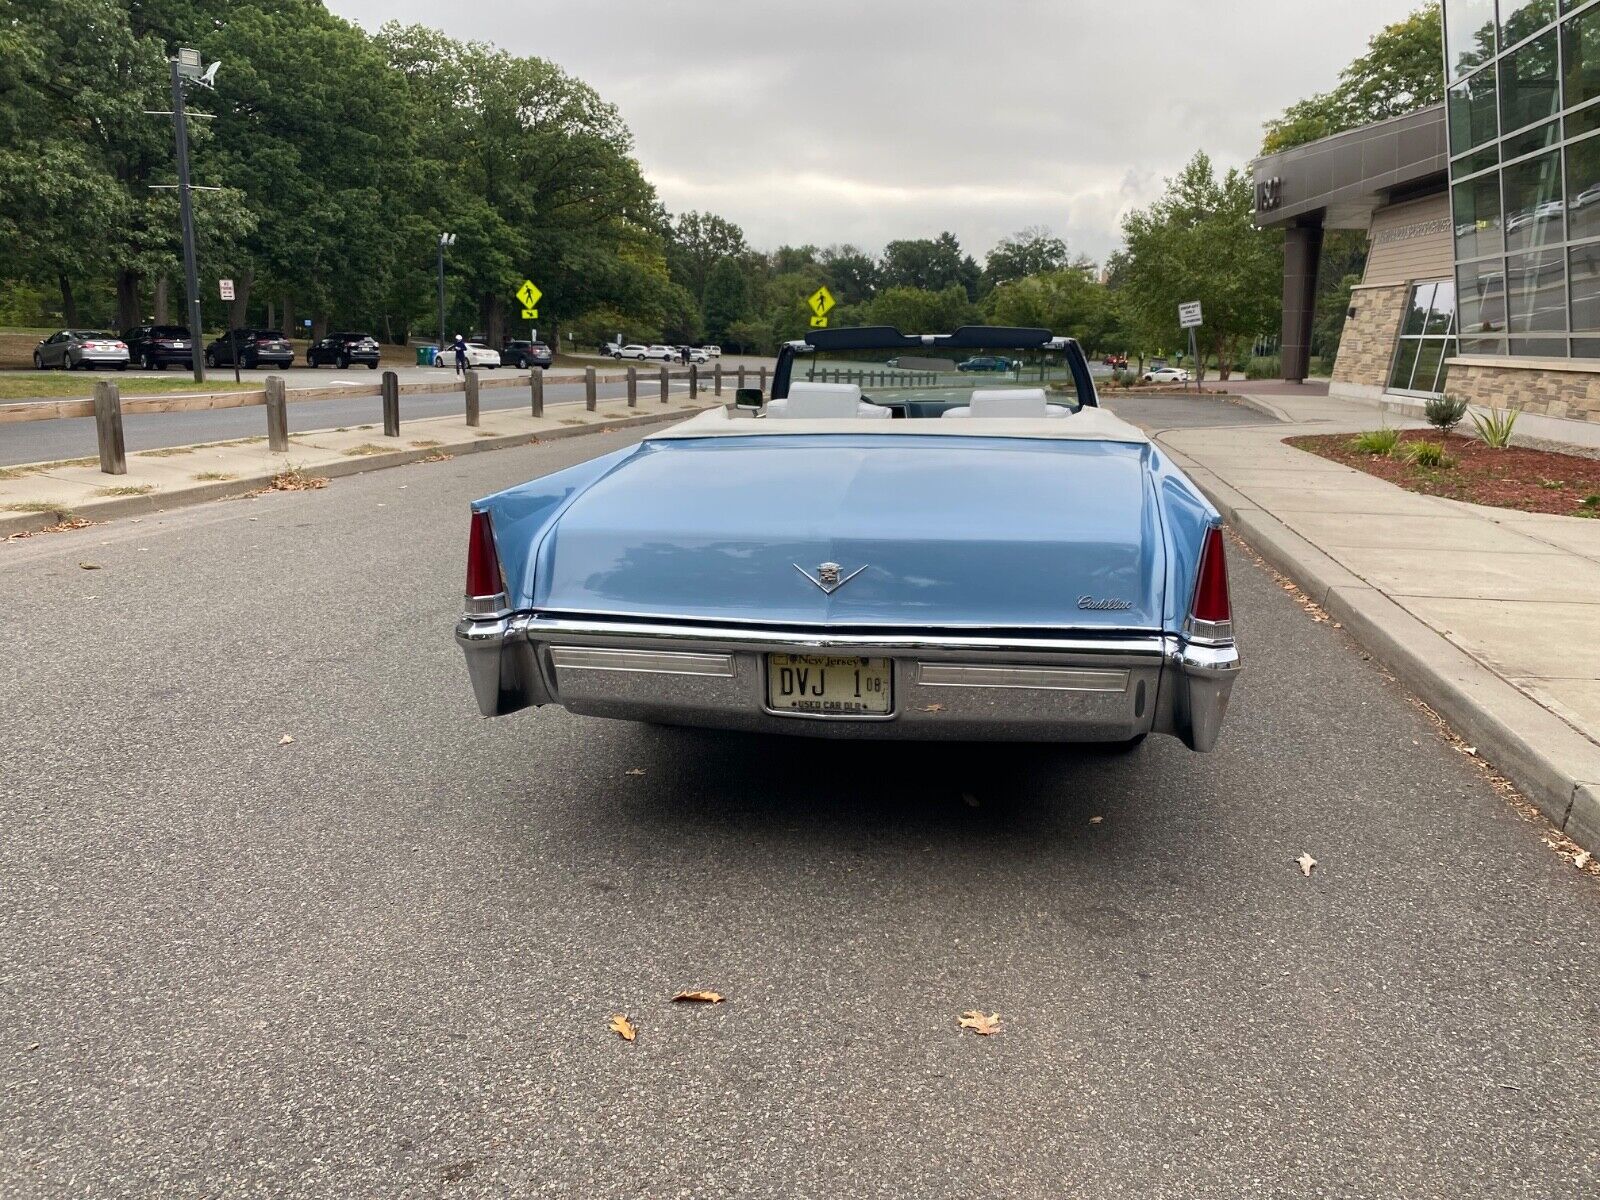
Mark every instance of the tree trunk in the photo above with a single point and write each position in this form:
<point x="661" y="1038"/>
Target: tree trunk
<point x="127" y="299"/>
<point x="494" y="319"/>
<point x="69" y="302"/>
<point x="240" y="313"/>
<point x="272" y="315"/>
<point x="319" y="326"/>
<point x="288" y="316"/>
<point x="161" y="300"/>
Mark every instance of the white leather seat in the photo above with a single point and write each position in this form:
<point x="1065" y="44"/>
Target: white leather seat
<point x="823" y="402"/>
<point x="1023" y="403"/>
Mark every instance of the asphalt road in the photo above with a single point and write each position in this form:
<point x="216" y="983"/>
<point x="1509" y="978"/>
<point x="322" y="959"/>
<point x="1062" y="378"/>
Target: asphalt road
<point x="380" y="960"/>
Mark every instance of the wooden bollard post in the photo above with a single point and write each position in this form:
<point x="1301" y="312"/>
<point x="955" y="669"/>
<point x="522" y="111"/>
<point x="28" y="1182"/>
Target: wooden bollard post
<point x="763" y="381"/>
<point x="716" y="379"/>
<point x="588" y="388"/>
<point x="277" y="415"/>
<point x="694" y="381"/>
<point x="536" y="390"/>
<point x="741" y="379"/>
<point x="664" y="385"/>
<point x="391" y="404"/>
<point x="472" y="397"/>
<point x="108" y="428"/>
<point x="633" y="387"/>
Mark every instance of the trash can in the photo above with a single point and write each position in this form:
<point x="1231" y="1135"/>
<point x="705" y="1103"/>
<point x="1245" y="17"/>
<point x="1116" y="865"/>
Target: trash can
<point x="425" y="355"/>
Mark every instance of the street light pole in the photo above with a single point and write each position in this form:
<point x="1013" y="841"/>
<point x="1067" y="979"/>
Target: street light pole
<point x="191" y="276"/>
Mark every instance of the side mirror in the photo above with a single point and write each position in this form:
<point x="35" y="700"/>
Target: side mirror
<point x="747" y="398"/>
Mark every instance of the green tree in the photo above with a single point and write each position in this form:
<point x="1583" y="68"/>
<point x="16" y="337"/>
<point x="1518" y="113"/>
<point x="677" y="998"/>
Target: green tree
<point x="696" y="243"/>
<point x="1031" y="251"/>
<point x="920" y="310"/>
<point x="931" y="264"/>
<point x="1065" y="302"/>
<point x="727" y="299"/>
<point x="1401" y="71"/>
<point x="1198" y="241"/>
<point x="852" y="273"/>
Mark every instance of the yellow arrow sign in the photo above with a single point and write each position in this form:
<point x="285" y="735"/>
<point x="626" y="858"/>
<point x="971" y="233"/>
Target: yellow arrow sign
<point x="529" y="294"/>
<point x="821" y="301"/>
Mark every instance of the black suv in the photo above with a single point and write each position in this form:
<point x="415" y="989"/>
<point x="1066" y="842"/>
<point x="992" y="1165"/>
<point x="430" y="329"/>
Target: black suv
<point x="343" y="349"/>
<point x="255" y="347"/>
<point x="153" y="347"/>
<point x="519" y="352"/>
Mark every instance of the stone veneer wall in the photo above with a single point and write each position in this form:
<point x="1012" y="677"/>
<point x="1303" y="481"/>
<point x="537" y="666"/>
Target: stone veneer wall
<point x="1546" y="387"/>
<point x="1366" y="348"/>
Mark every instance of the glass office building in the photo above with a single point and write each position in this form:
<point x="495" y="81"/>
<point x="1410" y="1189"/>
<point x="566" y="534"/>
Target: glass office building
<point x="1523" y="116"/>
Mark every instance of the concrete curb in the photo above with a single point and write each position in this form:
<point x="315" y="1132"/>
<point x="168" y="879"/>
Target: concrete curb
<point x="1549" y="761"/>
<point x="137" y="506"/>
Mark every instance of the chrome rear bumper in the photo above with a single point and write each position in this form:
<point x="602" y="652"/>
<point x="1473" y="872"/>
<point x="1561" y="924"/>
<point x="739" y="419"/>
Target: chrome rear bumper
<point x="991" y="687"/>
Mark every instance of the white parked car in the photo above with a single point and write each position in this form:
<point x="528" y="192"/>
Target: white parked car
<point x="630" y="351"/>
<point x="478" y="355"/>
<point x="698" y="356"/>
<point x="711" y="351"/>
<point x="1165" y="375"/>
<point x="662" y="353"/>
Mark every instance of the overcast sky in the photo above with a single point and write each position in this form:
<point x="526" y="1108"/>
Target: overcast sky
<point x="871" y="120"/>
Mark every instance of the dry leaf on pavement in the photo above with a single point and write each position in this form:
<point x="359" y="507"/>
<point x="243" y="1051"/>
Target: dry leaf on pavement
<point x="622" y="1027"/>
<point x="979" y="1023"/>
<point x="90" y="566"/>
<point x="1306" y="863"/>
<point x="934" y="708"/>
<point x="635" y="771"/>
<point x="1581" y="859"/>
<point x="286" y="740"/>
<point x="1095" y="820"/>
<point x="699" y="997"/>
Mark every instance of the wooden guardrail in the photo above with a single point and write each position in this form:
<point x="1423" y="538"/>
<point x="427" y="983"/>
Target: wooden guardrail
<point x="108" y="407"/>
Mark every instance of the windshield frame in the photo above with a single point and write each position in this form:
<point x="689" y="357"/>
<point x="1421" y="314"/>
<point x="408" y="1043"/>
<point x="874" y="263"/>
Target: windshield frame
<point x="972" y="338"/>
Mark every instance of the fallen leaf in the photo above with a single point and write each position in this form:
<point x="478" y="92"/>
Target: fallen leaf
<point x="90" y="566"/>
<point x="1095" y="820"/>
<point x="286" y="740"/>
<point x="933" y="708"/>
<point x="622" y="1027"/>
<point x="635" y="771"/>
<point x="1581" y="859"/>
<point x="1306" y="863"/>
<point x="699" y="997"/>
<point x="969" y="799"/>
<point x="980" y="1024"/>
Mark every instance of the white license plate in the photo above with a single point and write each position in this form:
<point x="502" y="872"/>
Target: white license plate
<point x="830" y="686"/>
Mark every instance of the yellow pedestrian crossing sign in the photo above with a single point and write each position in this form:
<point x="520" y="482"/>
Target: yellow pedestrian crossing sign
<point x="529" y="294"/>
<point x="820" y="301"/>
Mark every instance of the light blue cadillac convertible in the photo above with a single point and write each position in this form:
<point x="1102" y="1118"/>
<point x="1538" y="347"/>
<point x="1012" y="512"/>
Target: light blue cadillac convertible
<point x="888" y="547"/>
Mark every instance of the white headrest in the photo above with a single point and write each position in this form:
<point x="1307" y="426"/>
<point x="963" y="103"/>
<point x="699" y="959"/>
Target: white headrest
<point x="817" y="401"/>
<point x="1051" y="410"/>
<point x="1009" y="402"/>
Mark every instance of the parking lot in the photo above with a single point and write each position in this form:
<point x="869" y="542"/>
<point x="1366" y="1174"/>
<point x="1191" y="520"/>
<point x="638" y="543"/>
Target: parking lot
<point x="380" y="957"/>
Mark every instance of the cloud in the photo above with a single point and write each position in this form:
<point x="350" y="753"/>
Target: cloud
<point x="869" y="120"/>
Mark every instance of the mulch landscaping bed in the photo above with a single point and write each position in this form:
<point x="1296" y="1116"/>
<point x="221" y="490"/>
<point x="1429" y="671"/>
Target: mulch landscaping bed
<point x="1516" y="477"/>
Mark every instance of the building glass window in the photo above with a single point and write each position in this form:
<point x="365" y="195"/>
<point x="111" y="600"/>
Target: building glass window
<point x="1583" y="189"/>
<point x="1580" y="57"/>
<point x="1468" y="34"/>
<point x="1427" y="339"/>
<point x="1529" y="90"/>
<point x="1473" y="118"/>
<point x="1519" y="18"/>
<point x="1477" y="216"/>
<point x="1583" y="270"/>
<point x="1535" y="215"/>
<point x="1536" y="291"/>
<point x="1481" y="297"/>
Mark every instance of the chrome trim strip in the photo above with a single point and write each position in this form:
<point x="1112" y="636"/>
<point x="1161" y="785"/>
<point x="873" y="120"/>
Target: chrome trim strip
<point x="1211" y="633"/>
<point x="481" y="607"/>
<point x="645" y="662"/>
<point x="1057" y="679"/>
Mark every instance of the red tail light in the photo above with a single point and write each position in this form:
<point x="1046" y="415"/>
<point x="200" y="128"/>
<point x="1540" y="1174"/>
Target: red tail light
<point x="1212" y="612"/>
<point x="483" y="564"/>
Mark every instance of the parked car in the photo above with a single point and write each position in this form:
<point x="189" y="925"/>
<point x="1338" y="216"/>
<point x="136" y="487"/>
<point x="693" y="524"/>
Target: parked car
<point x="697" y="355"/>
<point x="1117" y="362"/>
<point x="711" y="351"/>
<point x="661" y="354"/>
<point x="343" y="349"/>
<point x="985" y="362"/>
<point x="522" y="354"/>
<point x="253" y="348"/>
<point x="1165" y="375"/>
<point x="155" y="347"/>
<point x="74" y="348"/>
<point x="632" y="350"/>
<point x="813" y="567"/>
<point x="478" y="356"/>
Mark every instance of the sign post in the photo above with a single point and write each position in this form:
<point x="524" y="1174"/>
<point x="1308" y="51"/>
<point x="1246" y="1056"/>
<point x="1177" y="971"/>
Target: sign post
<point x="529" y="294"/>
<point x="820" y="301"/>
<point x="1191" y="318"/>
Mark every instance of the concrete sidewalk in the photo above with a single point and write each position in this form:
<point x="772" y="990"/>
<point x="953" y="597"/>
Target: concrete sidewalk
<point x="1488" y="614"/>
<point x="36" y="496"/>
